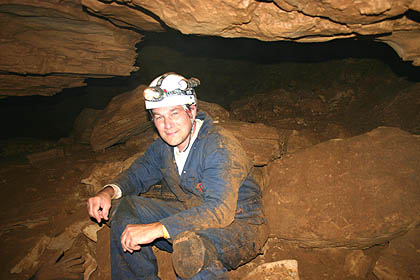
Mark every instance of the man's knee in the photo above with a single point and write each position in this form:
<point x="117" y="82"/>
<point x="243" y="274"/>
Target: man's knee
<point x="192" y="253"/>
<point x="124" y="212"/>
<point x="137" y="210"/>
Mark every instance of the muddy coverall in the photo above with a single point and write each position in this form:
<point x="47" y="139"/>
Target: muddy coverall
<point x="216" y="197"/>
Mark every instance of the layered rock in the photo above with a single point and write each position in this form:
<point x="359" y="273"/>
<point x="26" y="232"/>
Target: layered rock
<point x="302" y="21"/>
<point x="123" y="117"/>
<point x="83" y="125"/>
<point x="51" y="45"/>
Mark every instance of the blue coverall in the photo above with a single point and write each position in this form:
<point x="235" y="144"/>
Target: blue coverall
<point x="216" y="197"/>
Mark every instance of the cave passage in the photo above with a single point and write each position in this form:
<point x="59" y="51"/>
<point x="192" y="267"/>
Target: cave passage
<point x="229" y="69"/>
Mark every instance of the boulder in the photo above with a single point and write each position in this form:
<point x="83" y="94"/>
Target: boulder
<point x="284" y="269"/>
<point x="354" y="193"/>
<point x="217" y="112"/>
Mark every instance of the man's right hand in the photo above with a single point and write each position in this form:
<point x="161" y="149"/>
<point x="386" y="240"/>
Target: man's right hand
<point x="99" y="205"/>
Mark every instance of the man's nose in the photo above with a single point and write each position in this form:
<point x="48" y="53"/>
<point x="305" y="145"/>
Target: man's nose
<point x="168" y="123"/>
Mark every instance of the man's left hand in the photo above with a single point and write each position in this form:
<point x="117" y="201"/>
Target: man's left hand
<point x="138" y="234"/>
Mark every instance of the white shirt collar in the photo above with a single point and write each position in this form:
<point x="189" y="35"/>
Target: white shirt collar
<point x="181" y="157"/>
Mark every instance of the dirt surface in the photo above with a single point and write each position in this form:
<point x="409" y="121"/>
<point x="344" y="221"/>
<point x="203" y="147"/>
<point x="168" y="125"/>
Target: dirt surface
<point x="39" y="200"/>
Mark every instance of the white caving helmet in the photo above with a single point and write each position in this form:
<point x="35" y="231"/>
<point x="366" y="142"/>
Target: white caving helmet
<point x="170" y="89"/>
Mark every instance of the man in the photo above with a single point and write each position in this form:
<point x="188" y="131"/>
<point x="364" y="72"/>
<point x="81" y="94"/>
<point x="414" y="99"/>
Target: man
<point x="216" y="222"/>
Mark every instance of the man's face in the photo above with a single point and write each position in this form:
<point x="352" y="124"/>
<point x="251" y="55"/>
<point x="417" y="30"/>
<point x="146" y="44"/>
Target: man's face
<point x="174" y="124"/>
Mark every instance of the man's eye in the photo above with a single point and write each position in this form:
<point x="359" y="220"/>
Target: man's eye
<point x="158" y="118"/>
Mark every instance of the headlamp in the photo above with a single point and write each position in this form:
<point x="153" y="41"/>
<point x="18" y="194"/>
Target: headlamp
<point x="153" y="94"/>
<point x="170" y="89"/>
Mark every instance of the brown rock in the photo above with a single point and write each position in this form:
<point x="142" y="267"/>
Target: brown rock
<point x="358" y="264"/>
<point x="303" y="20"/>
<point x="31" y="260"/>
<point x="301" y="139"/>
<point x="355" y="192"/>
<point x="103" y="173"/>
<point x="284" y="269"/>
<point x="347" y="11"/>
<point x="260" y="142"/>
<point x="46" y="155"/>
<point x="103" y="255"/>
<point x="215" y="111"/>
<point x="123" y="117"/>
<point x="49" y="42"/>
<point x="313" y="263"/>
<point x="51" y="45"/>
<point x="402" y="110"/>
<point x="83" y="125"/>
<point x="142" y="141"/>
<point x="401" y="259"/>
<point x="406" y="44"/>
<point x="123" y="15"/>
<point x="18" y="85"/>
<point x="267" y="108"/>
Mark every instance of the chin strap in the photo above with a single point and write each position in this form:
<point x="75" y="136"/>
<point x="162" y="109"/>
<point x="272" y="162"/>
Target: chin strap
<point x="190" y="136"/>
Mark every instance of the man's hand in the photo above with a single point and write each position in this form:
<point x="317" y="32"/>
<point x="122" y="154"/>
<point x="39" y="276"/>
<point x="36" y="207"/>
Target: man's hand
<point x="139" y="234"/>
<point x="99" y="205"/>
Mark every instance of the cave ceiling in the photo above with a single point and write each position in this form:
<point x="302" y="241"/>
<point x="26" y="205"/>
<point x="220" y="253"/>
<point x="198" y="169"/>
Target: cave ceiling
<point x="50" y="45"/>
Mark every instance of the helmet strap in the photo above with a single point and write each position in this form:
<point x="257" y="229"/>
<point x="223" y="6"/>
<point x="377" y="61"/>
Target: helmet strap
<point x="187" y="110"/>
<point x="190" y="135"/>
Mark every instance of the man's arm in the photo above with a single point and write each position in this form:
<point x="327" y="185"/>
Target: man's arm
<point x="143" y="173"/>
<point x="135" y="235"/>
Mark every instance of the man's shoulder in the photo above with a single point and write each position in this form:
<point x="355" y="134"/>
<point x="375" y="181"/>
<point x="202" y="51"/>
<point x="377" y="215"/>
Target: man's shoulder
<point x="218" y="136"/>
<point x="209" y="128"/>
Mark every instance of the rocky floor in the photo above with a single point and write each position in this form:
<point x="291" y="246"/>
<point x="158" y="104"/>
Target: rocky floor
<point x="45" y="199"/>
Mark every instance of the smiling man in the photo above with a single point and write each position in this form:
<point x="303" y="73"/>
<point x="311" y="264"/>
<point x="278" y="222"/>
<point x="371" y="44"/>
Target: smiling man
<point x="216" y="222"/>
